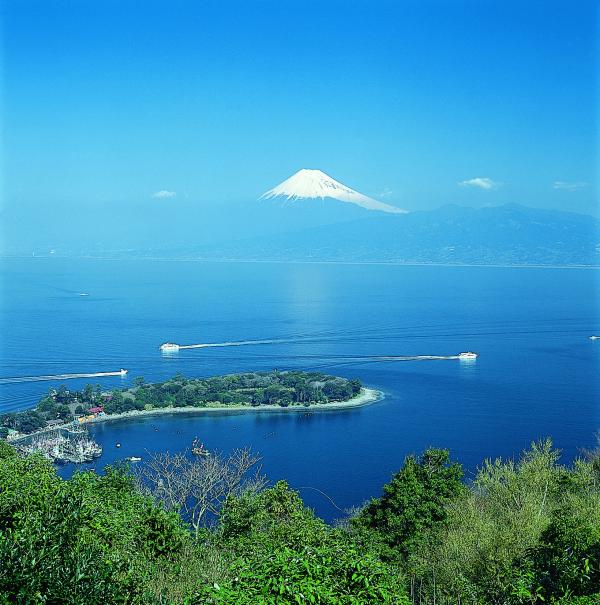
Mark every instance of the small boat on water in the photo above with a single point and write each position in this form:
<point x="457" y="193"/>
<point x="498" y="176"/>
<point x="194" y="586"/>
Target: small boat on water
<point x="198" y="448"/>
<point x="117" y="444"/>
<point x="467" y="355"/>
<point x="594" y="337"/>
<point x="169" y="346"/>
<point x="134" y="459"/>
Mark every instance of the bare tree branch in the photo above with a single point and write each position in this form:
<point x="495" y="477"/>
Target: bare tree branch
<point x="197" y="487"/>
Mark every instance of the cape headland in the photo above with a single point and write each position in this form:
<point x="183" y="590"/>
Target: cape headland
<point x="272" y="391"/>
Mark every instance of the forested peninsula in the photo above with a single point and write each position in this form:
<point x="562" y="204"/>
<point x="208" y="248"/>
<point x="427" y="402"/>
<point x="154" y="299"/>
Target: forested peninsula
<point x="249" y="390"/>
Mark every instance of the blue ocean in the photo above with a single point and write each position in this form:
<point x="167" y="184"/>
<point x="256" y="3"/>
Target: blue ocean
<point x="536" y="375"/>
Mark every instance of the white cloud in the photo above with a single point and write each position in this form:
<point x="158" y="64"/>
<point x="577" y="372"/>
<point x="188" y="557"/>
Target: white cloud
<point x="482" y="182"/>
<point x="569" y="186"/>
<point x="163" y="194"/>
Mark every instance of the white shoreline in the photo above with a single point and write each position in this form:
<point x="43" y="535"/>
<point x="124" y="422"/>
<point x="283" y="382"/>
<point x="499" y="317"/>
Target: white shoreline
<point x="366" y="397"/>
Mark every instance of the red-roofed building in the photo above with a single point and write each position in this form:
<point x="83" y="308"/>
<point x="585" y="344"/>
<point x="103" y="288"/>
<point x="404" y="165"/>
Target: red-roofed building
<point x="97" y="410"/>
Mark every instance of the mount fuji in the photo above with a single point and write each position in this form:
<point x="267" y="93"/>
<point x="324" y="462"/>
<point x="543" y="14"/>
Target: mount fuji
<point x="311" y="184"/>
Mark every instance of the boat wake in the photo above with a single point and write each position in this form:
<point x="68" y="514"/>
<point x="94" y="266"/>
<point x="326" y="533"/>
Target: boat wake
<point x="172" y="347"/>
<point x="467" y="356"/>
<point x="17" y="379"/>
<point x="414" y="357"/>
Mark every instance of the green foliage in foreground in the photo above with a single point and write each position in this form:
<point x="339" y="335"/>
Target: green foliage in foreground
<point x="414" y="503"/>
<point x="525" y="532"/>
<point x="87" y="540"/>
<point x="283" y="554"/>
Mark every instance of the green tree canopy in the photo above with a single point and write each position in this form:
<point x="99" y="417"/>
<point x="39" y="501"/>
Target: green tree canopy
<point x="414" y="501"/>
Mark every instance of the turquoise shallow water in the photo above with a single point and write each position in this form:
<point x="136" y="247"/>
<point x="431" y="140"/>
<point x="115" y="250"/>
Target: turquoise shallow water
<point x="537" y="373"/>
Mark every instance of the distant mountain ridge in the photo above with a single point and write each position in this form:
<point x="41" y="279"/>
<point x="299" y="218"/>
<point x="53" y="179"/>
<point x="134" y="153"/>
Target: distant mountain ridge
<point x="312" y="184"/>
<point x="511" y="234"/>
<point x="497" y="235"/>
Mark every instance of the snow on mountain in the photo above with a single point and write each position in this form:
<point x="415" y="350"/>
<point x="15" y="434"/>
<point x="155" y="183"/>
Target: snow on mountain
<point x="307" y="184"/>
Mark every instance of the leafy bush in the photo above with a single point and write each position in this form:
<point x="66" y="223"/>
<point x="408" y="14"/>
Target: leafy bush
<point x="284" y="554"/>
<point x="332" y="574"/>
<point x="44" y="559"/>
<point x="85" y="540"/>
<point x="525" y="532"/>
<point x="414" y="501"/>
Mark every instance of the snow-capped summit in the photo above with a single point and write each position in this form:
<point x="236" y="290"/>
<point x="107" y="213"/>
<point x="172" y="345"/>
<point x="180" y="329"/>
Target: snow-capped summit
<point x="316" y="184"/>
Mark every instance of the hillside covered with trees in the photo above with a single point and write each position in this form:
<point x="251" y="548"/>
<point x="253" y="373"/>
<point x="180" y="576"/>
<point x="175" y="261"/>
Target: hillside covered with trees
<point x="212" y="531"/>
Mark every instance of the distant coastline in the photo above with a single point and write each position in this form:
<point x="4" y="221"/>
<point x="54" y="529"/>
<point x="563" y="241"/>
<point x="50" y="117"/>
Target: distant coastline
<point x="365" y="397"/>
<point x="234" y="260"/>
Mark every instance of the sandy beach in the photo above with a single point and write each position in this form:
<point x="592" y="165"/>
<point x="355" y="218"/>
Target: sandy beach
<point x="365" y="397"/>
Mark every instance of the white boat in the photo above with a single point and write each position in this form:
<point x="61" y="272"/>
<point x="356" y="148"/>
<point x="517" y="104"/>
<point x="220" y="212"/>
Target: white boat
<point x="594" y="337"/>
<point x="198" y="448"/>
<point x="467" y="355"/>
<point x="134" y="458"/>
<point x="169" y="346"/>
<point x="123" y="372"/>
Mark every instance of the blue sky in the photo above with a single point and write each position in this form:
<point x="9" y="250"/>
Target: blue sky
<point x="414" y="103"/>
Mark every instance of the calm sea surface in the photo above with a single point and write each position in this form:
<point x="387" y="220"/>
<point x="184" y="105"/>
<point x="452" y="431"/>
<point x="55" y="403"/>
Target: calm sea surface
<point x="537" y="374"/>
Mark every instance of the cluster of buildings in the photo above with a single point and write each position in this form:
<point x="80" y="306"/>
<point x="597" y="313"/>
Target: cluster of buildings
<point x="92" y="414"/>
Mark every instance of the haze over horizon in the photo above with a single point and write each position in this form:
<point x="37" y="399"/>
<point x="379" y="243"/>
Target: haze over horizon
<point x="115" y="114"/>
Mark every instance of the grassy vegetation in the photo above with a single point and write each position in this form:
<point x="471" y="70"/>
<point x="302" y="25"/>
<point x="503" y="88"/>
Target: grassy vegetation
<point x="523" y="532"/>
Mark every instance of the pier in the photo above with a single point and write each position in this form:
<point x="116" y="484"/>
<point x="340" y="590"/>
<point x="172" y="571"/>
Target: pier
<point x="69" y="443"/>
